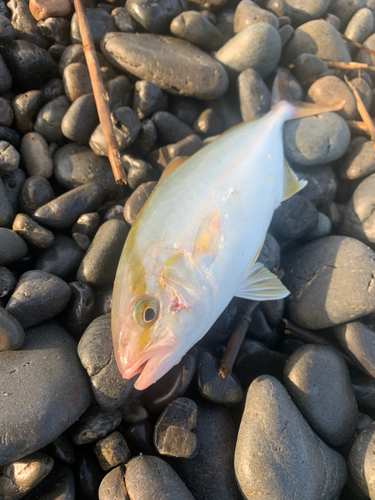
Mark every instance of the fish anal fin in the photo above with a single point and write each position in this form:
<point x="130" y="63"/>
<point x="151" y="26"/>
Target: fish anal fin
<point x="291" y="182"/>
<point x="208" y="236"/>
<point x="172" y="166"/>
<point x="260" y="284"/>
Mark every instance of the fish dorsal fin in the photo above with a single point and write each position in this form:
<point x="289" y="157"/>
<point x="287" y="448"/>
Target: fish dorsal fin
<point x="260" y="284"/>
<point x="291" y="182"/>
<point x="208" y="236"/>
<point x="172" y="166"/>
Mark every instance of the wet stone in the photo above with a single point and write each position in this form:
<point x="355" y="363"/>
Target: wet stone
<point x="361" y="460"/>
<point x="12" y="334"/>
<point x="40" y="9"/>
<point x="193" y="27"/>
<point x="37" y="297"/>
<point x="7" y="33"/>
<point x="266" y="447"/>
<point x="95" y="350"/>
<point x="36" y="191"/>
<point x="209" y="122"/>
<point x="48" y="121"/>
<point x="6" y="210"/>
<point x="112" y="451"/>
<point x="32" y="232"/>
<point x="212" y="386"/>
<point x="248" y="13"/>
<point x="45" y="372"/>
<point x="163" y="156"/>
<point x="35" y="154"/>
<point x="90" y="474"/>
<point x="26" y="107"/>
<point x="138" y="170"/>
<point x="149" y="477"/>
<point x="329" y="282"/>
<point x="258" y="47"/>
<point x="6" y="113"/>
<point x="64" y="210"/>
<point x="124" y="21"/>
<point x="62" y="258"/>
<point x="146" y="138"/>
<point x="80" y="120"/>
<point x="316" y="140"/>
<point x="255" y="98"/>
<point x="21" y="476"/>
<point x="120" y="92"/>
<point x="273" y="310"/>
<point x="270" y="254"/>
<point x="76" y="80"/>
<point x="321" y="184"/>
<point x="82" y="241"/>
<point x="328" y="90"/>
<point x="100" y="23"/>
<point x="179" y="68"/>
<point x="155" y="17"/>
<point x="7" y="281"/>
<point x="12" y="247"/>
<point x="29" y="64"/>
<point x="169" y="128"/>
<point x="113" y="486"/>
<point x="136" y="201"/>
<point x="295" y="218"/>
<point x="172" y="433"/>
<point x="59" y="484"/>
<point x="87" y="224"/>
<point x="24" y="24"/>
<point x="56" y="29"/>
<point x="94" y="424"/>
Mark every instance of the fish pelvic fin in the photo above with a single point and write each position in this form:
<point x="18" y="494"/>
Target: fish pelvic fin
<point x="260" y="284"/>
<point x="297" y="109"/>
<point x="291" y="182"/>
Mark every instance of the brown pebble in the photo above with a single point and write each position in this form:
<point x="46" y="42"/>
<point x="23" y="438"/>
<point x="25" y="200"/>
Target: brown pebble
<point x="329" y="90"/>
<point x="112" y="450"/>
<point x="42" y="9"/>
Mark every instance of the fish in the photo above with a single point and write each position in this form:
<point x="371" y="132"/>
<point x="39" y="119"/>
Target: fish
<point x="194" y="245"/>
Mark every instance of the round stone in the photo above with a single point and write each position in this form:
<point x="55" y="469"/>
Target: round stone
<point x="193" y="27"/>
<point x="155" y="16"/>
<point x="362" y="461"/>
<point x="12" y="247"/>
<point x="255" y="98"/>
<point x="345" y="10"/>
<point x="172" y="64"/>
<point x="76" y="80"/>
<point x="294" y="218"/>
<point x="94" y="424"/>
<point x="112" y="451"/>
<point x="12" y="335"/>
<point x="32" y="232"/>
<point x="329" y="90"/>
<point x="302" y="11"/>
<point x="48" y="121"/>
<point x="113" y="486"/>
<point x="357" y="163"/>
<point x="100" y="23"/>
<point x="35" y="154"/>
<point x="79" y="312"/>
<point x="360" y="27"/>
<point x="36" y="191"/>
<point x="9" y="158"/>
<point x="61" y="259"/>
<point x="248" y="13"/>
<point x="6" y="210"/>
<point x="136" y="201"/>
<point x="26" y="107"/>
<point x="81" y="119"/>
<point x="321" y="184"/>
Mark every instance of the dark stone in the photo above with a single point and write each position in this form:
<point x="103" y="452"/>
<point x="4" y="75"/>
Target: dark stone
<point x="32" y="232"/>
<point x="139" y="437"/>
<point x="6" y="111"/>
<point x="120" y="92"/>
<point x="29" y="64"/>
<point x="274" y="310"/>
<point x="124" y="21"/>
<point x="94" y="424"/>
<point x="36" y="155"/>
<point x="88" y="475"/>
<point x="81" y="119"/>
<point x="155" y="16"/>
<point x="36" y="191"/>
<point x="6" y="210"/>
<point x="193" y="27"/>
<point x="82" y="241"/>
<point x="364" y="389"/>
<point x="64" y="210"/>
<point x="161" y="157"/>
<point x="9" y="158"/>
<point x="148" y="99"/>
<point x="87" y="224"/>
<point x="26" y="107"/>
<point x="171" y="64"/>
<point x="7" y="281"/>
<point x="7" y="33"/>
<point x="172" y="432"/>
<point x="100" y="23"/>
<point x="138" y="170"/>
<point x="136" y="201"/>
<point x="56" y="29"/>
<point x="95" y="350"/>
<point x="255" y="98"/>
<point x="112" y="451"/>
<point x="36" y="379"/>
<point x="12" y="334"/>
<point x="80" y="309"/>
<point x="146" y="138"/>
<point x="209" y="122"/>
<point x="48" y="121"/>
<point x="52" y="88"/>
<point x="6" y="77"/>
<point x="63" y="449"/>
<point x="270" y="254"/>
<point x="222" y="327"/>
<point x="321" y="184"/>
<point x="133" y="411"/>
<point x="169" y="128"/>
<point x="9" y="135"/>
<point x="37" y="297"/>
<point x="295" y="218"/>
<point x="357" y="163"/>
<point x="61" y="259"/>
<point x="76" y="80"/>
<point x="361" y="460"/>
<point x="114" y="212"/>
<point x="185" y="109"/>
<point x="59" y="484"/>
<point x="12" y="247"/>
<point x="259" y="329"/>
<point x="24" y="25"/>
<point x="13" y="183"/>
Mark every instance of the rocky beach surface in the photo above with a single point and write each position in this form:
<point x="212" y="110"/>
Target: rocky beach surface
<point x="294" y="418"/>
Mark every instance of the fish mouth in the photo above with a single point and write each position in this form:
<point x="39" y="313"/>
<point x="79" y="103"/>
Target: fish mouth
<point x="137" y="367"/>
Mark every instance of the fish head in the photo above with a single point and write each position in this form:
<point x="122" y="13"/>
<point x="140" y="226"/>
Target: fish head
<point x="160" y="303"/>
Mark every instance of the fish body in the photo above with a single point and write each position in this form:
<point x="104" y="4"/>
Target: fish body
<point x="194" y="245"/>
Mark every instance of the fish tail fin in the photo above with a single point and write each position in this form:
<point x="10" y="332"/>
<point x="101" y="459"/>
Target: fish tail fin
<point x="297" y="109"/>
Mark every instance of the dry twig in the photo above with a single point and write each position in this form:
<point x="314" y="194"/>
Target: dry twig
<point x="349" y="65"/>
<point x="356" y="44"/>
<point x="100" y="94"/>
<point x="358" y="127"/>
<point x="367" y="120"/>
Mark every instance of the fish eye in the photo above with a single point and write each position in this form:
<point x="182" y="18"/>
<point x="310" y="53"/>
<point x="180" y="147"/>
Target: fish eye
<point x="145" y="311"/>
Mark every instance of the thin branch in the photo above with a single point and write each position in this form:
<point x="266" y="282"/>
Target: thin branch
<point x="358" y="127"/>
<point x="349" y="65"/>
<point x="363" y="111"/>
<point x="100" y="94"/>
<point x="356" y="44"/>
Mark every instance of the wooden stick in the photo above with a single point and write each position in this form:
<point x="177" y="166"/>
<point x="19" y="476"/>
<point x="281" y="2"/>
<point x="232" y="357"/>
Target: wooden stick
<point x="100" y="94"/>
<point x="358" y="127"/>
<point x="356" y="44"/>
<point x="367" y="120"/>
<point x="349" y="65"/>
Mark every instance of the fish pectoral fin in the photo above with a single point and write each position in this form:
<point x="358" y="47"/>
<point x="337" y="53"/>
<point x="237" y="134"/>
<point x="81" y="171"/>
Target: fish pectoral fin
<point x="291" y="182"/>
<point x="172" y="166"/>
<point x="208" y="236"/>
<point x="260" y="284"/>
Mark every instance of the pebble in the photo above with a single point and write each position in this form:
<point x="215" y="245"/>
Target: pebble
<point x="26" y="107"/>
<point x="139" y="437"/>
<point x="98" y="267"/>
<point x="295" y="218"/>
<point x="126" y="128"/>
<point x="79" y="312"/>
<point x="80" y="120"/>
<point x="330" y="409"/>
<point x="302" y="12"/>
<point x="364" y="389"/>
<point x="286" y="32"/>
<point x="32" y="232"/>
<point x="133" y="412"/>
<point x="345" y="10"/>
<point x="172" y="385"/>
<point x="64" y="210"/>
<point x="95" y="350"/>
<point x="364" y="90"/>
<point x="87" y="224"/>
<point x="9" y="135"/>
<point x="193" y="27"/>
<point x="31" y="65"/>
<point x="7" y="33"/>
<point x="112" y="451"/>
<point x="259" y="329"/>
<point x="273" y="310"/>
<point x="24" y="24"/>
<point x="113" y="486"/>
<point x="63" y="449"/>
<point x="185" y="108"/>
<point x="40" y="9"/>
<point x="255" y="98"/>
<point x="62" y="258"/>
<point x="316" y="140"/>
<point x="270" y="254"/>
<point x="155" y="17"/>
<point x="357" y="163"/>
<point x="209" y="122"/>
<point x="94" y="424"/>
<point x="56" y="29"/>
<point x="21" y="476"/>
<point x="161" y="157"/>
<point x="124" y="21"/>
<point x="12" y="335"/>
<point x="321" y="184"/>
<point x="100" y="23"/>
<point x="270" y="463"/>
<point x="48" y="371"/>
<point x="12" y="247"/>
<point x="279" y="7"/>
<point x="319" y="38"/>
<point x="138" y="170"/>
<point x="35" y="192"/>
<point x="248" y="13"/>
<point x="364" y="56"/>
<point x="333" y="21"/>
<point x="52" y="88"/>
<point x="120" y="92"/>
<point x="212" y="386"/>
<point x="322" y="228"/>
<point x="76" y="80"/>
<point x="90" y="475"/>
<point x="146" y="139"/>
<point x="360" y="27"/>
<point x="37" y="297"/>
<point x="209" y="475"/>
<point x="329" y="282"/>
<point x="7" y="281"/>
<point x="48" y="121"/>
<point x="6" y="210"/>
<point x="149" y="477"/>
<point x="328" y="90"/>
<point x="258" y="47"/>
<point x="35" y="154"/>
<point x="59" y="484"/>
<point x="179" y="68"/>
<point x="169" y="128"/>
<point x="76" y="165"/>
<point x="13" y="183"/>
<point x="148" y="99"/>
<point x="6" y="111"/>
<point x="172" y="432"/>
<point x="136" y="201"/>
<point x="361" y="461"/>
<point x="6" y="77"/>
